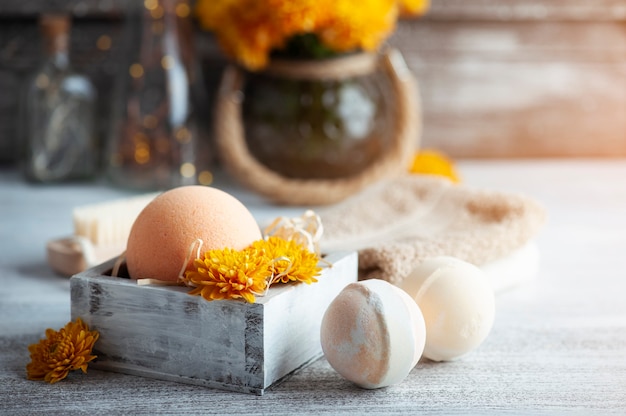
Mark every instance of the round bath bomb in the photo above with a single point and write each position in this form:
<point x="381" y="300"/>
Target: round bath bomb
<point x="373" y="334"/>
<point x="163" y="233"/>
<point x="457" y="302"/>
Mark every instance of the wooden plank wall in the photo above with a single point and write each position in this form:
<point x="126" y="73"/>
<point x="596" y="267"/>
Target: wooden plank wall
<point x="498" y="78"/>
<point x="514" y="78"/>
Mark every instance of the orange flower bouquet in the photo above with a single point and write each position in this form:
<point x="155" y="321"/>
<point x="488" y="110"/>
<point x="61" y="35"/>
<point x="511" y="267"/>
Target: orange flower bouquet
<point x="251" y="30"/>
<point x="312" y="95"/>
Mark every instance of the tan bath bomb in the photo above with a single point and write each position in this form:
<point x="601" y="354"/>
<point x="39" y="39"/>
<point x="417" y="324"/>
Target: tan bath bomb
<point x="160" y="238"/>
<point x="373" y="334"/>
<point x="457" y="302"/>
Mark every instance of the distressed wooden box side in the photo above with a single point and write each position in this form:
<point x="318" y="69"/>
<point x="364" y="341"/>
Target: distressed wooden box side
<point x="298" y="317"/>
<point x="162" y="332"/>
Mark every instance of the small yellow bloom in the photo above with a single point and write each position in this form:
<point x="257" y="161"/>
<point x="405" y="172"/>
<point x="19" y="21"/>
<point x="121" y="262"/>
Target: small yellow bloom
<point x="431" y="162"/>
<point x="229" y="274"/>
<point x="61" y="352"/>
<point x="409" y="8"/>
<point x="291" y="262"/>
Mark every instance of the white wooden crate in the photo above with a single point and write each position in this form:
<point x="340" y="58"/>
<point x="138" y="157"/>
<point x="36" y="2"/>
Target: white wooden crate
<point x="164" y="333"/>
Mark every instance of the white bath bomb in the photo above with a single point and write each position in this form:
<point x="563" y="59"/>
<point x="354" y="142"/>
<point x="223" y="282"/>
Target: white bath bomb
<point x="457" y="302"/>
<point x="373" y="334"/>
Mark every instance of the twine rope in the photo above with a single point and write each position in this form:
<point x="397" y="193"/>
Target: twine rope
<point x="234" y="153"/>
<point x="305" y="230"/>
<point x="325" y="69"/>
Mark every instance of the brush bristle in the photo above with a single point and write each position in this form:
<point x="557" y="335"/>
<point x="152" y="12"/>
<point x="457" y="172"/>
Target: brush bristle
<point x="109" y="222"/>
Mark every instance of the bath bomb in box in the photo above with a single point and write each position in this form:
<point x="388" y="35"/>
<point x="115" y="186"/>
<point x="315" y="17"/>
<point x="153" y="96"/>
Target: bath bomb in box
<point x="373" y="334"/>
<point x="457" y="302"/>
<point x="164" y="232"/>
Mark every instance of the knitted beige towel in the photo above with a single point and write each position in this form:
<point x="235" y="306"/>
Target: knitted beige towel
<point x="397" y="223"/>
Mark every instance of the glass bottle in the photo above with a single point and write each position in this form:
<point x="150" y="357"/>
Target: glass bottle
<point x="155" y="136"/>
<point x="58" y="113"/>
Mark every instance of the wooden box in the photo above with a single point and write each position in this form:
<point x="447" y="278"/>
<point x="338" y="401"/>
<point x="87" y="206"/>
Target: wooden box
<point x="162" y="332"/>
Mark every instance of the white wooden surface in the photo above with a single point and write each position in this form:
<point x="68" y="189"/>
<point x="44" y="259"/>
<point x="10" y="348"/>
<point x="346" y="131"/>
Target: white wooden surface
<point x="558" y="345"/>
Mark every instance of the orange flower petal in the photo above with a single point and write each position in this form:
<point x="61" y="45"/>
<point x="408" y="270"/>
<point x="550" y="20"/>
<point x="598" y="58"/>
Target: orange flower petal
<point x="61" y="352"/>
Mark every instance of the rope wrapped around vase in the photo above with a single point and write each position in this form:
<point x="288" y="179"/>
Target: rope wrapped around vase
<point x="236" y="157"/>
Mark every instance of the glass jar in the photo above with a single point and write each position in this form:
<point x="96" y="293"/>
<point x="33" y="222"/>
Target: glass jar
<point x="57" y="113"/>
<point x="326" y="128"/>
<point x="155" y="135"/>
<point x="398" y="110"/>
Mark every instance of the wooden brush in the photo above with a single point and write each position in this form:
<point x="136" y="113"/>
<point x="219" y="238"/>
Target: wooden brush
<point x="100" y="233"/>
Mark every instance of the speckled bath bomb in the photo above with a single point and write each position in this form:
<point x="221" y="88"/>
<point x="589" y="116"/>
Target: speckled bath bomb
<point x="164" y="231"/>
<point x="373" y="334"/>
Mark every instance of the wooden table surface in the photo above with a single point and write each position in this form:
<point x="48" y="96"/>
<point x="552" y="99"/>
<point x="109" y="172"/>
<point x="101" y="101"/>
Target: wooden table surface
<point x="558" y="345"/>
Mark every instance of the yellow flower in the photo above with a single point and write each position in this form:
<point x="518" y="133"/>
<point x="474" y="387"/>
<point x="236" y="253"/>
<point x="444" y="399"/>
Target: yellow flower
<point x="365" y="25"/>
<point x="229" y="274"/>
<point x="431" y="162"/>
<point x="290" y="261"/>
<point x="61" y="352"/>
<point x="232" y="274"/>
<point x="245" y="28"/>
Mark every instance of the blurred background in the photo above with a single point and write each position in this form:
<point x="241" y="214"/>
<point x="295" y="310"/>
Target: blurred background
<point x="497" y="78"/>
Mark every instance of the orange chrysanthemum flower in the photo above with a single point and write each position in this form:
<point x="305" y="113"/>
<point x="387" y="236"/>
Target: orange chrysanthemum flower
<point x="61" y="352"/>
<point x="291" y="262"/>
<point x="232" y="274"/>
<point x="361" y="26"/>
<point x="431" y="162"/>
<point x="229" y="274"/>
